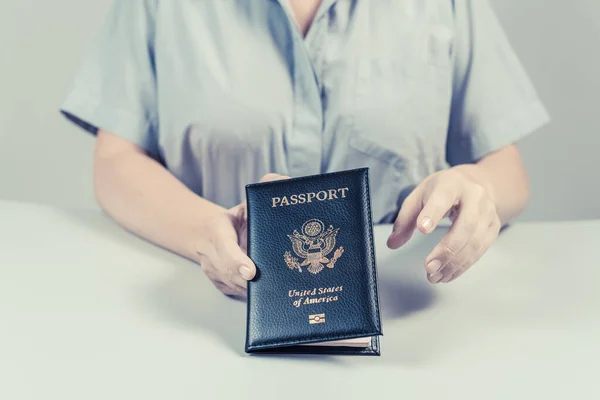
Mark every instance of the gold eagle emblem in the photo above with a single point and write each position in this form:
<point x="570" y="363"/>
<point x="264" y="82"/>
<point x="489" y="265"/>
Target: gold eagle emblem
<point x="312" y="246"/>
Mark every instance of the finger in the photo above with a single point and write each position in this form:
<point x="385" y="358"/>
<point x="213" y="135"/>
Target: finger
<point x="472" y="251"/>
<point x="239" y="221"/>
<point x="228" y="290"/>
<point x="233" y="281"/>
<point x="239" y="211"/>
<point x="405" y="222"/>
<point x="233" y="261"/>
<point x="208" y="269"/>
<point x="490" y="237"/>
<point x="240" y="281"/>
<point x="463" y="260"/>
<point x="448" y="252"/>
<point x="230" y="279"/>
<point x="215" y="277"/>
<point x="273" y="177"/>
<point x="438" y="203"/>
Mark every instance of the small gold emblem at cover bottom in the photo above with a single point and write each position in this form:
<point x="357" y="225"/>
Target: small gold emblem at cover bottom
<point x="316" y="319"/>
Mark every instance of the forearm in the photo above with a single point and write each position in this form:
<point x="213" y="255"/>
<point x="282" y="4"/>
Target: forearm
<point x="502" y="173"/>
<point x="146" y="199"/>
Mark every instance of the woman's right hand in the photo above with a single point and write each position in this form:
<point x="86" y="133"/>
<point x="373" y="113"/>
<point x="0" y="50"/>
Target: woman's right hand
<point x="222" y="249"/>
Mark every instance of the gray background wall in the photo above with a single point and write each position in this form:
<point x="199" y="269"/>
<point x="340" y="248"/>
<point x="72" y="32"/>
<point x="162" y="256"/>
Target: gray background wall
<point x="44" y="159"/>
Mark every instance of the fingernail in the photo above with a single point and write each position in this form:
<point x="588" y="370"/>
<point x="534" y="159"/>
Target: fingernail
<point x="435" y="278"/>
<point x="427" y="223"/>
<point x="434" y="266"/>
<point x="245" y="272"/>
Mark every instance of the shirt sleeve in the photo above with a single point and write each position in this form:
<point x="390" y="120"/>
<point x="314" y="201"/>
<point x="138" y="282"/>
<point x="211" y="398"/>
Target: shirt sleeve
<point x="494" y="103"/>
<point x="115" y="87"/>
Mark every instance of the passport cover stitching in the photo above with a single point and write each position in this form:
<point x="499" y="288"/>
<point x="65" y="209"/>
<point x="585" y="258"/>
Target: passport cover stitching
<point x="374" y="292"/>
<point x="302" y="178"/>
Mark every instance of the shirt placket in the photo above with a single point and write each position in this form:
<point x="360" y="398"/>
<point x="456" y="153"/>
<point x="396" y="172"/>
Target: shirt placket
<point x="305" y="141"/>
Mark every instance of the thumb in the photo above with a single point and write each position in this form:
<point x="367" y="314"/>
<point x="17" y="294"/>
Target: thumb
<point x="273" y="177"/>
<point x="232" y="258"/>
<point x="240" y="212"/>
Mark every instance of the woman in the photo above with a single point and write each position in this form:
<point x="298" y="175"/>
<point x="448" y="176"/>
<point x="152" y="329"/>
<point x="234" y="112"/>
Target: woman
<point x="192" y="100"/>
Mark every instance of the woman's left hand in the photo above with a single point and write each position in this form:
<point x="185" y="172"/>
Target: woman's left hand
<point x="470" y="206"/>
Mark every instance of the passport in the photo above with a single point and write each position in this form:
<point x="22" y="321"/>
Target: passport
<point x="315" y="290"/>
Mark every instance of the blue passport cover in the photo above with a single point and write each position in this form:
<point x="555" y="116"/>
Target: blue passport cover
<point x="311" y="239"/>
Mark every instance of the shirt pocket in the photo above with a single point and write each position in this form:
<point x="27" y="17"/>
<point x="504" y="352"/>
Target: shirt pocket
<point x="403" y="103"/>
<point x="403" y="90"/>
<point x="394" y="98"/>
<point x="398" y="124"/>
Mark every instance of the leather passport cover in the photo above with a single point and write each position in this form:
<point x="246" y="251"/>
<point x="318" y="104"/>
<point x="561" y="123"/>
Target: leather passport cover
<point x="311" y="239"/>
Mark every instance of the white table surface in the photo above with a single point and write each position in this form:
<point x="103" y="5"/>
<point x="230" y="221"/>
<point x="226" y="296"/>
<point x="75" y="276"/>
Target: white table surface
<point x="88" y="311"/>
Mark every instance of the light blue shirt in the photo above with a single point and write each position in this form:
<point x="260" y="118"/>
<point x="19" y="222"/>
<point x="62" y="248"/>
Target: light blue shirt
<point x="222" y="92"/>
